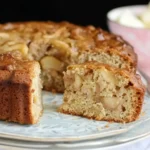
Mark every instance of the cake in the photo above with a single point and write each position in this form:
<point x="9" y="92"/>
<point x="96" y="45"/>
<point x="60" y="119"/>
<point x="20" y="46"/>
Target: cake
<point x="57" y="45"/>
<point x="20" y="90"/>
<point x="102" y="92"/>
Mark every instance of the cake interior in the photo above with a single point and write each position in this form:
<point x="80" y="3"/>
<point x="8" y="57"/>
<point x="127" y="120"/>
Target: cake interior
<point x="100" y="94"/>
<point x="111" y="59"/>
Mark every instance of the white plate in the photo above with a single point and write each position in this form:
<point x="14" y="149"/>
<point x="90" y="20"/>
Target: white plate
<point x="57" y="127"/>
<point x="138" y="133"/>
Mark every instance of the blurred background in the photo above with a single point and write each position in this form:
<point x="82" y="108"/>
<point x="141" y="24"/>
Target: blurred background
<point x="82" y="12"/>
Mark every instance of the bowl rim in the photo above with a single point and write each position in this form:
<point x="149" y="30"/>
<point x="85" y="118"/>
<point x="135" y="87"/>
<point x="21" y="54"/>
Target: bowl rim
<point x="123" y="7"/>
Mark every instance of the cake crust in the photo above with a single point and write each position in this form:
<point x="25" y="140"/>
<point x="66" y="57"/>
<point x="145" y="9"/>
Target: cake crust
<point x="89" y="38"/>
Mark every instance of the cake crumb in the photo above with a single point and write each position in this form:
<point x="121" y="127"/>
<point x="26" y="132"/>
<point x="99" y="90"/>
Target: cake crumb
<point x="75" y="117"/>
<point x="143" y="113"/>
<point x="53" y="91"/>
<point x="107" y="125"/>
<point x="54" y="102"/>
<point x="99" y="128"/>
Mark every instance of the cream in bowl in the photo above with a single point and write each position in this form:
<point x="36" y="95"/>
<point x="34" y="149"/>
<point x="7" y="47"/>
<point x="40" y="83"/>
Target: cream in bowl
<point x="137" y="18"/>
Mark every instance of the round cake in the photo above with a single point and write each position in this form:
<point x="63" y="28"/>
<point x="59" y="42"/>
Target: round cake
<point x="57" y="45"/>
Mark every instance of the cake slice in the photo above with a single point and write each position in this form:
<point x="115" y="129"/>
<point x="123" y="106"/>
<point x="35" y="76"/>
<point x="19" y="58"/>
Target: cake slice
<point x="102" y="92"/>
<point x="20" y="90"/>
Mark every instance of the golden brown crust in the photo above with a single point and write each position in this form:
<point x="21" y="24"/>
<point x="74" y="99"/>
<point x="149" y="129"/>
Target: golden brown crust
<point x="20" y="71"/>
<point x="88" y="38"/>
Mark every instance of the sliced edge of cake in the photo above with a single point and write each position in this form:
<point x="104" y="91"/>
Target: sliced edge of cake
<point x="102" y="92"/>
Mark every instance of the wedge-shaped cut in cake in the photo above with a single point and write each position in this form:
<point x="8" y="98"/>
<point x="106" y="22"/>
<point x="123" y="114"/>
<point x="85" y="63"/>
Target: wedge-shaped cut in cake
<point x="20" y="90"/>
<point x="102" y="92"/>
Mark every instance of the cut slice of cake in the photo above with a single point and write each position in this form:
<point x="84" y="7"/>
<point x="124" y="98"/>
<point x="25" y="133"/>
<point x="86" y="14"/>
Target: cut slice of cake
<point x="20" y="90"/>
<point x="102" y="92"/>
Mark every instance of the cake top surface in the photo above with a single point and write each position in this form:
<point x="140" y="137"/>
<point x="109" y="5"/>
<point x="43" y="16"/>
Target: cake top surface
<point x="17" y="71"/>
<point x="66" y="35"/>
<point x="10" y="63"/>
<point x="134" y="79"/>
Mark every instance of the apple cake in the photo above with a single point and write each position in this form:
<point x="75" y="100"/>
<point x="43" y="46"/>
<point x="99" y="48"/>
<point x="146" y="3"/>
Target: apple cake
<point x="20" y="90"/>
<point x="57" y="45"/>
<point x="102" y="92"/>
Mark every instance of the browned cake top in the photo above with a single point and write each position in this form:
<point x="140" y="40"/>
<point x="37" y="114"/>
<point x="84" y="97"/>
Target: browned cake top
<point x="69" y="36"/>
<point x="135" y="80"/>
<point x="8" y="62"/>
<point x="17" y="71"/>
